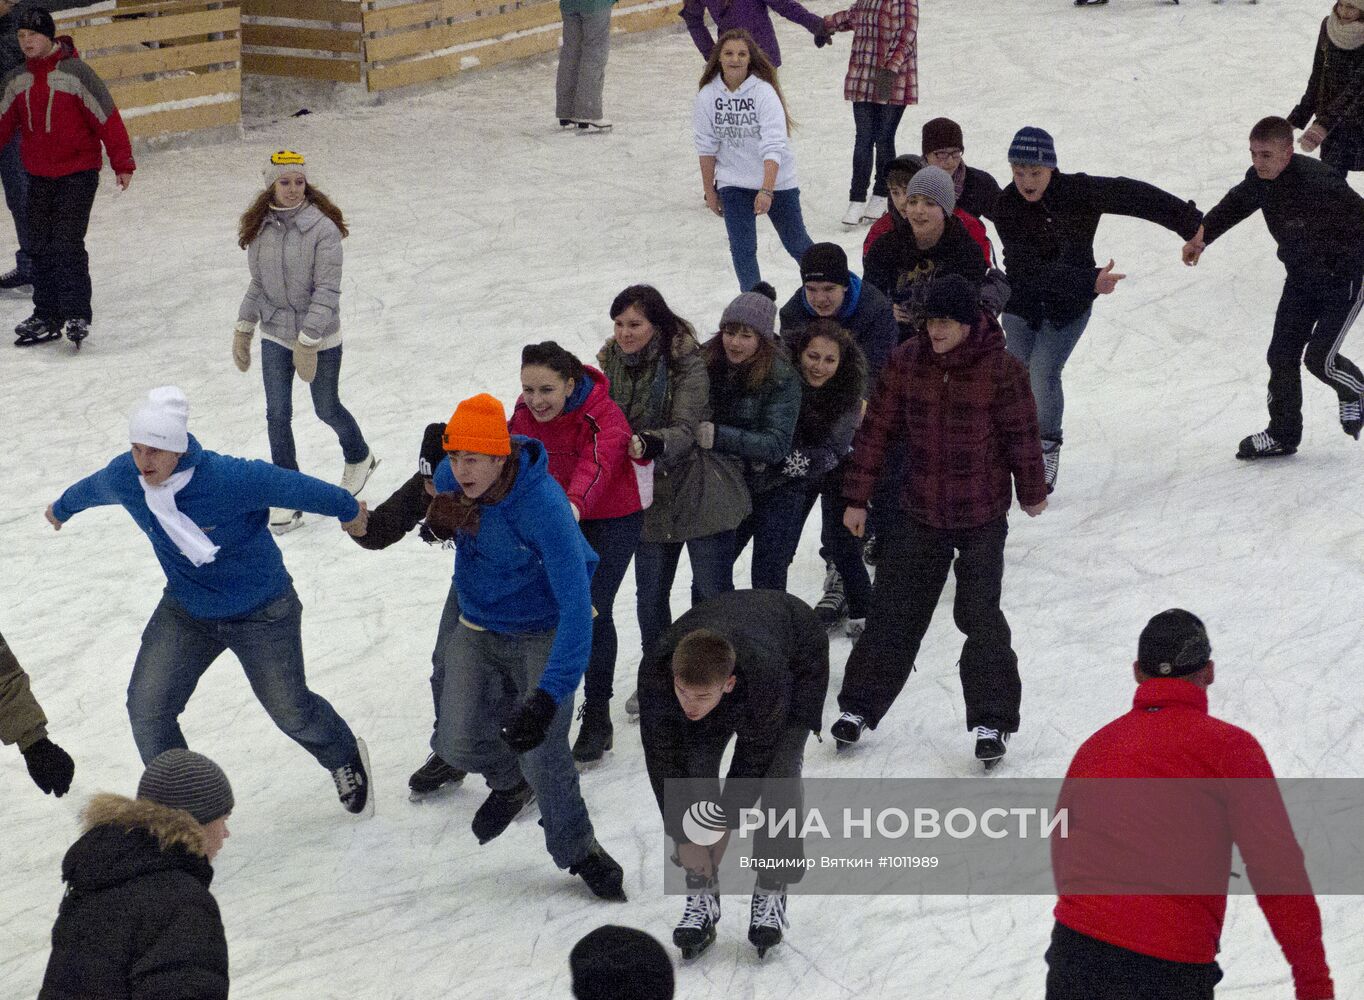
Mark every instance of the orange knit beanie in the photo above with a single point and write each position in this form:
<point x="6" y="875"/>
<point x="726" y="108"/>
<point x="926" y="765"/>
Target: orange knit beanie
<point x="479" y="425"/>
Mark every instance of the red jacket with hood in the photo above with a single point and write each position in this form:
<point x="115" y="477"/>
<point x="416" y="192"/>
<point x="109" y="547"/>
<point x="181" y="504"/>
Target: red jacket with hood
<point x="65" y="112"/>
<point x="588" y="446"/>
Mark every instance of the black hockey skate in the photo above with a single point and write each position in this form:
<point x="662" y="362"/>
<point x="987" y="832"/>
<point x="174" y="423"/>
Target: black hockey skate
<point x="499" y="809"/>
<point x="352" y="782"/>
<point x="76" y="331"/>
<point x="432" y="776"/>
<point x="1352" y="417"/>
<point x="36" y="330"/>
<point x="991" y="745"/>
<point x="833" y="606"/>
<point x="767" y="917"/>
<point x="602" y="874"/>
<point x="695" y="932"/>
<point x="1263" y="445"/>
<point x="847" y="730"/>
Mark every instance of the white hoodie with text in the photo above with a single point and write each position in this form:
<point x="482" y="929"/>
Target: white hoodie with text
<point x="742" y="128"/>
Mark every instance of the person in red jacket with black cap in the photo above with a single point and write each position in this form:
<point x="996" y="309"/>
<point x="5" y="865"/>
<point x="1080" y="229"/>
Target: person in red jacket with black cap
<point x="65" y="112"/>
<point x="1111" y="943"/>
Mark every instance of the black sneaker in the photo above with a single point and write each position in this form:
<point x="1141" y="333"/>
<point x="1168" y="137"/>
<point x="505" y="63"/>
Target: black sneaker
<point x="15" y="279"/>
<point x="434" y="774"/>
<point x="599" y="870"/>
<point x="848" y="729"/>
<point x="499" y="809"/>
<point x="352" y="782"/>
<point x="76" y="331"/>
<point x="1352" y="417"/>
<point x="36" y="330"/>
<point x="1263" y="445"/>
<point x="595" y="736"/>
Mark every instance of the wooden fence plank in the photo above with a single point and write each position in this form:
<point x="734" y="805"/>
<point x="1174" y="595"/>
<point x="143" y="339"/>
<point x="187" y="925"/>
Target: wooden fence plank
<point x="444" y="36"/>
<point x="136" y="31"/>
<point x="112" y="67"/>
<point x="646" y="20"/>
<point x="388" y="18"/>
<point x="413" y="71"/>
<point x="338" y="11"/>
<point x="176" y="88"/>
<point x="318" y="39"/>
<point x="185" y="119"/>
<point x="340" y="70"/>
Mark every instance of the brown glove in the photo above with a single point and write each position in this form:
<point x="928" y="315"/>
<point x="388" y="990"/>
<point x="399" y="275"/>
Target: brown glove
<point x="305" y="355"/>
<point x="241" y="344"/>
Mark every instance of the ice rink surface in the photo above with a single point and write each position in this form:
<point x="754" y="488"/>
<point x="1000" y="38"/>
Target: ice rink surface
<point x="476" y="228"/>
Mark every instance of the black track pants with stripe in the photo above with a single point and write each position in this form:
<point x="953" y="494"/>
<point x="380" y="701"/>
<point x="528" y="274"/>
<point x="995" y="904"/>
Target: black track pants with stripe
<point x="1314" y="316"/>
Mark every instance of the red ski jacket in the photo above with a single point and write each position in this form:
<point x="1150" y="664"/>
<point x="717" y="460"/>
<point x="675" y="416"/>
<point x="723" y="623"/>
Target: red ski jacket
<point x="1169" y="734"/>
<point x="588" y="446"/>
<point x="969" y="425"/>
<point x="65" y="112"/>
<point x="974" y="229"/>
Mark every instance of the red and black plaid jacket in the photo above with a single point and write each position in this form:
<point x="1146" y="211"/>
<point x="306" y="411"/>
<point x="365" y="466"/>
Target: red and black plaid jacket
<point x="969" y="423"/>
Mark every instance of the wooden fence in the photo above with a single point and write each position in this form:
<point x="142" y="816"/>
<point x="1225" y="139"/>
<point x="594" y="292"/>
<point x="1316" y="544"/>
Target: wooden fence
<point x="395" y="43"/>
<point x="171" y="65"/>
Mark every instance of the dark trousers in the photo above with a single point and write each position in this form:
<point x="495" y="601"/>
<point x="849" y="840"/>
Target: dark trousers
<point x="1343" y="149"/>
<point x="1313" y="318"/>
<point x="840" y="546"/>
<point x="614" y="539"/>
<point x="58" y="215"/>
<point x="874" y="137"/>
<point x="1080" y="967"/>
<point x="774" y="526"/>
<point x="15" y="181"/>
<point x="885" y="497"/>
<point x="712" y="573"/>
<point x="911" y="571"/>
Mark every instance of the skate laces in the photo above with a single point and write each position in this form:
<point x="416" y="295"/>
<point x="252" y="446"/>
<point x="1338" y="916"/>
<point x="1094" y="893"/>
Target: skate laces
<point x="856" y="720"/>
<point x="1262" y="441"/>
<point x="986" y="733"/>
<point x="348" y="780"/>
<point x="769" y="908"/>
<point x="1353" y="410"/>
<point x="700" y="910"/>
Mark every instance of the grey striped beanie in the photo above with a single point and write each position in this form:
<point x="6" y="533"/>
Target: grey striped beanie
<point x="183" y="779"/>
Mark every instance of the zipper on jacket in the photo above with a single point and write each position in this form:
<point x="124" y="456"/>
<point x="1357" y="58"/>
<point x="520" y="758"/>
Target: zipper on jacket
<point x="28" y="103"/>
<point x="51" y="96"/>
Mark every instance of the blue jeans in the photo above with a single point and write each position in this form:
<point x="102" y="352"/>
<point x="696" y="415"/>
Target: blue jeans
<point x="15" y="181"/>
<point x="875" y="126"/>
<point x="277" y="368"/>
<point x="774" y="526"/>
<point x="742" y="226"/>
<point x="176" y="650"/>
<point x="487" y="676"/>
<point x="712" y="571"/>
<point x="1045" y="351"/>
<point x="614" y="539"/>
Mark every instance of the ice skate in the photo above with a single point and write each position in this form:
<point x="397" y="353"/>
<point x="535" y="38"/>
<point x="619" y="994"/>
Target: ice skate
<point x="847" y="730"/>
<point x="15" y="279"/>
<point x="36" y="330"/>
<point x="767" y="917"/>
<point x="76" y="331"/>
<point x="695" y="932"/>
<point x="594" y="126"/>
<point x="499" y="809"/>
<point x="594" y="736"/>
<point x="833" y="606"/>
<point x="352" y="782"/>
<point x="602" y="874"/>
<point x="1051" y="463"/>
<point x="991" y="745"/>
<point x="355" y="474"/>
<point x="853" y="216"/>
<point x="1263" y="445"/>
<point x="283" y="520"/>
<point x="876" y="207"/>
<point x="1352" y="417"/>
<point x="431" y="777"/>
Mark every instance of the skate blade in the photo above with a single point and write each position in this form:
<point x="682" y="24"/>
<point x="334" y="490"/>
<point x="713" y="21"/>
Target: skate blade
<point x="691" y="953"/>
<point x="368" y="811"/>
<point x="991" y="764"/>
<point x="443" y="792"/>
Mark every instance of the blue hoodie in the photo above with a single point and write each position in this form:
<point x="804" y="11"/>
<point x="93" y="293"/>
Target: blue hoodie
<point x="529" y="569"/>
<point x="230" y="500"/>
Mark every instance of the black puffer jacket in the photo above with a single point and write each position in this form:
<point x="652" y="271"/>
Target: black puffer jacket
<point x="782" y="675"/>
<point x="1335" y="90"/>
<point x="137" y="921"/>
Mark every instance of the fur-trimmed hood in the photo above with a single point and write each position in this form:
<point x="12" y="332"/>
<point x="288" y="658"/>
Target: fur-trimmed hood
<point x="128" y="838"/>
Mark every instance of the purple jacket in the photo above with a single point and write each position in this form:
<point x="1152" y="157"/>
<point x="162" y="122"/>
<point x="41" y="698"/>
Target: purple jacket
<point x="748" y="14"/>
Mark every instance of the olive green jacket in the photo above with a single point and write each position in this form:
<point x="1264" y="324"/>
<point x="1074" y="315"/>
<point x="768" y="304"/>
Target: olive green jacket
<point x="21" y="720"/>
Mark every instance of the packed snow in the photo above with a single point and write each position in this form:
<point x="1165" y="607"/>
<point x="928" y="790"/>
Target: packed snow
<point x="476" y="228"/>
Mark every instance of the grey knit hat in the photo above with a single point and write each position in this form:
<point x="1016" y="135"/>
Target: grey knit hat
<point x="754" y="310"/>
<point x="935" y="183"/>
<point x="183" y="779"/>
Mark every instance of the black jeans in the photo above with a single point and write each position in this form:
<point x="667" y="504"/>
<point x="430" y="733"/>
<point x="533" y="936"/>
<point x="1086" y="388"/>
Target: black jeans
<point x="1315" y="314"/>
<point x="15" y="181"/>
<point x="775" y="527"/>
<point x="875" y="126"/>
<point x="58" y="215"/>
<point x="614" y="539"/>
<point x="840" y="546"/>
<point x="1080" y="967"/>
<point x="910" y="574"/>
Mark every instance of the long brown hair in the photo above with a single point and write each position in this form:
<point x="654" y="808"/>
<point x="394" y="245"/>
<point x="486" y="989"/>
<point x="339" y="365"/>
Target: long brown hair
<point x="758" y="65"/>
<point x="754" y="372"/>
<point x="248" y="228"/>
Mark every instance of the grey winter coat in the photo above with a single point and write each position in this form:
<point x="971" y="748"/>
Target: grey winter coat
<point x="295" y="266"/>
<point x="696" y="492"/>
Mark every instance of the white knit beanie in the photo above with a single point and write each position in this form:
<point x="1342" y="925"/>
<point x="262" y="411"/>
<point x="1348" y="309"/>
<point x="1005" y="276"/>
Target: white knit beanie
<point x="162" y="421"/>
<point x="286" y="161"/>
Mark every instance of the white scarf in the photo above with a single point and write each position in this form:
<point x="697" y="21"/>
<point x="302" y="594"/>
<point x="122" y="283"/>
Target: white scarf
<point x="1347" y="35"/>
<point x="188" y="537"/>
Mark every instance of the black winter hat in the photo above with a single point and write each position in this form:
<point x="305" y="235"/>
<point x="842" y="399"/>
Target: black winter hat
<point x="35" y="19"/>
<point x="825" y="262"/>
<point x="1173" y="644"/>
<point x="620" y="963"/>
<point x="952" y="297"/>
<point x="433" y="450"/>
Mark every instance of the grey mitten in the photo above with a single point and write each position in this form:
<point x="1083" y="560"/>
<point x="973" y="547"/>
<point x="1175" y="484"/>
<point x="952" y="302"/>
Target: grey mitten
<point x="705" y="434"/>
<point x="305" y="355"/>
<point x="241" y="344"/>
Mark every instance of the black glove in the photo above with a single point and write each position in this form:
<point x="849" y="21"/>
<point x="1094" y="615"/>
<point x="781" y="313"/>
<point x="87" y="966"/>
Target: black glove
<point x="882" y="83"/>
<point x="526" y="729"/>
<point x="822" y="39"/>
<point x="50" y="766"/>
<point x="653" y="446"/>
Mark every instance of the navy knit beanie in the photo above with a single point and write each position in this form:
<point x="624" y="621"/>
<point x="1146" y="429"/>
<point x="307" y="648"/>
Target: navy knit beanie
<point x="35" y="19"/>
<point x="952" y="297"/>
<point x="1033" y="147"/>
